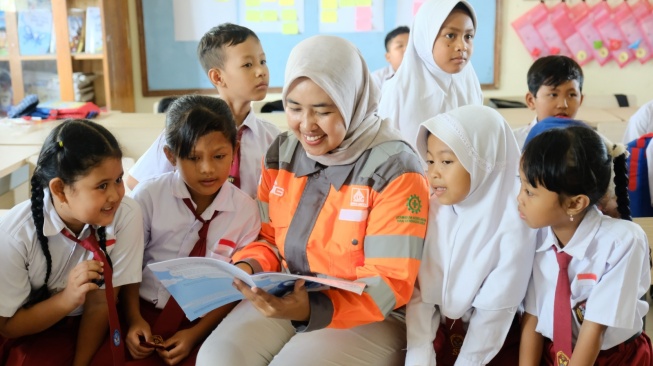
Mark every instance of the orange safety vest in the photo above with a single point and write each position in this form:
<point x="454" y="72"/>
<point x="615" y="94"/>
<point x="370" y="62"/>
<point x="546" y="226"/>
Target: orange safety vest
<point x="365" y="221"/>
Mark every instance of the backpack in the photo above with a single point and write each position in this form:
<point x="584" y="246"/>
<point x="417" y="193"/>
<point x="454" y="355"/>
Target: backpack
<point x="639" y="191"/>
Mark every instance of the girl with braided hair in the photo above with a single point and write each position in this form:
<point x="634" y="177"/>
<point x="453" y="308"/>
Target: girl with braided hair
<point x="65" y="253"/>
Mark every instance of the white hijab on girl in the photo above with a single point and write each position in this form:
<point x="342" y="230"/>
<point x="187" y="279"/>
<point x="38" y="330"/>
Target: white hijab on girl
<point x="478" y="253"/>
<point x="336" y="66"/>
<point x="420" y="89"/>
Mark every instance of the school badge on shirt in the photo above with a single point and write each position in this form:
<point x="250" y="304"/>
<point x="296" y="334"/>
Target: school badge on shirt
<point x="579" y="311"/>
<point x="562" y="359"/>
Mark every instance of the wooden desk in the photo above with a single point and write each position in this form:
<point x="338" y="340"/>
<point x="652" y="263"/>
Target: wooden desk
<point x="20" y="132"/>
<point x="614" y="131"/>
<point x="519" y="117"/>
<point x="623" y="113"/>
<point x="13" y="157"/>
<point x="134" y="131"/>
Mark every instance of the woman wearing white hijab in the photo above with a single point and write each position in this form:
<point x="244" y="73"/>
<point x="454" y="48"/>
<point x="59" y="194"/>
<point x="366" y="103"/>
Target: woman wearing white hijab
<point x="341" y="195"/>
<point x="478" y="254"/>
<point x="436" y="74"/>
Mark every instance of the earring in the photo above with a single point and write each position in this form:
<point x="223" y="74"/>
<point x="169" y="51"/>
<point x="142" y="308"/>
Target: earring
<point x="571" y="217"/>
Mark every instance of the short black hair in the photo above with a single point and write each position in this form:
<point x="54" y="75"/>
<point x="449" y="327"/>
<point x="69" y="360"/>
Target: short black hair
<point x="393" y="33"/>
<point x="568" y="161"/>
<point x="165" y="103"/>
<point x="192" y="116"/>
<point x="211" y="46"/>
<point x="553" y="71"/>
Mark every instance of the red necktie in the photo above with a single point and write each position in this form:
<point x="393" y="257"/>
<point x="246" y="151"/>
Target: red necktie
<point x="562" y="310"/>
<point x="234" y="172"/>
<point x="172" y="315"/>
<point x="91" y="244"/>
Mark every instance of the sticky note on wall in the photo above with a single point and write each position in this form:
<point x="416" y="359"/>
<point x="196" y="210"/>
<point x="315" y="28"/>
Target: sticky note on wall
<point x="287" y="2"/>
<point x="290" y="28"/>
<point x="329" y="16"/>
<point x="329" y="4"/>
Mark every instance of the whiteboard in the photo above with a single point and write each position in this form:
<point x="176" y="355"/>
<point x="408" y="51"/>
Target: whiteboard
<point x="169" y="65"/>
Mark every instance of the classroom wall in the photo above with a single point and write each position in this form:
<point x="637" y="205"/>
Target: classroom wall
<point x="635" y="79"/>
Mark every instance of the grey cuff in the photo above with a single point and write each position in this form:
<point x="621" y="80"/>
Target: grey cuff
<point x="321" y="313"/>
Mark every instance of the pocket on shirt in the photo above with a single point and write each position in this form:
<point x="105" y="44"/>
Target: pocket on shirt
<point x="581" y="288"/>
<point x="346" y="249"/>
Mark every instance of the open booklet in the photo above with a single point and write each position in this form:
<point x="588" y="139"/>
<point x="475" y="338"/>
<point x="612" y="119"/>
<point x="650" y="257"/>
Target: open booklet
<point x="202" y="284"/>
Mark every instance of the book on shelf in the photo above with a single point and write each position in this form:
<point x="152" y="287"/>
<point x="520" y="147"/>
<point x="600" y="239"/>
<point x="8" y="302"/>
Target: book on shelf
<point x="202" y="284"/>
<point x="76" y="24"/>
<point x="93" y="30"/>
<point x="34" y="31"/>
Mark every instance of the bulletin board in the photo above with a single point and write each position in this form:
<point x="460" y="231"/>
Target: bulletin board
<point x="169" y="63"/>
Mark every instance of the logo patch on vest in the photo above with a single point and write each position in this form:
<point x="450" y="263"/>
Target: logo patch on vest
<point x="276" y="190"/>
<point x="360" y="197"/>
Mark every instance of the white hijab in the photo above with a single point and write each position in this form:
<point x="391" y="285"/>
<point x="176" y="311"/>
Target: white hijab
<point x="478" y="253"/>
<point x="336" y="66"/>
<point x="420" y="89"/>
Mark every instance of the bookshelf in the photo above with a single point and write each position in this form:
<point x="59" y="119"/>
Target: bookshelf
<point x="113" y="87"/>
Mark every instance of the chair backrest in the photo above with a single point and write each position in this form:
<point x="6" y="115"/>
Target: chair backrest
<point x="609" y="100"/>
<point x="639" y="175"/>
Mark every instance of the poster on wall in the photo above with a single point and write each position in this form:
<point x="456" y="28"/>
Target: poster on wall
<point x="272" y="16"/>
<point x="349" y="16"/>
<point x="589" y="32"/>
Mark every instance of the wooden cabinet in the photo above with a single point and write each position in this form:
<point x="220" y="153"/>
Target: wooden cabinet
<point x="113" y="88"/>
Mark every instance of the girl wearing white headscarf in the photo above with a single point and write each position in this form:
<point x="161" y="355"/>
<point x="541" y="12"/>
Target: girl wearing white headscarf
<point x="478" y="254"/>
<point x="341" y="195"/>
<point x="426" y="84"/>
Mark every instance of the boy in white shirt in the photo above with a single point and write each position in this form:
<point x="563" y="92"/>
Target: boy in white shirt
<point x="234" y="60"/>
<point x="640" y="123"/>
<point x="395" y="46"/>
<point x="555" y="88"/>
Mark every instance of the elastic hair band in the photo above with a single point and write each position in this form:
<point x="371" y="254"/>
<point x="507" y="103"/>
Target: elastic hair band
<point x="60" y="143"/>
<point x="617" y="150"/>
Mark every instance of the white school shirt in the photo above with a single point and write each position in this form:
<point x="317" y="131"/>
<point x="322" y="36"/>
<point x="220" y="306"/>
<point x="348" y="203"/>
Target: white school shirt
<point x="640" y="123"/>
<point x="478" y="254"/>
<point x="381" y="75"/>
<point x="171" y="229"/>
<point x="649" y="163"/>
<point x="521" y="133"/>
<point x="254" y="144"/>
<point x="23" y="264"/>
<point x="609" y="274"/>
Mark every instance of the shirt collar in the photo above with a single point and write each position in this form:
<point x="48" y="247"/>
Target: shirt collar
<point x="52" y="223"/>
<point x="580" y="241"/>
<point x="224" y="201"/>
<point x="250" y="122"/>
<point x="336" y="174"/>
